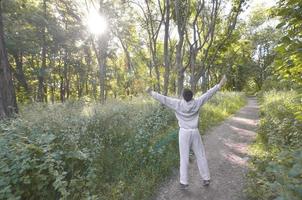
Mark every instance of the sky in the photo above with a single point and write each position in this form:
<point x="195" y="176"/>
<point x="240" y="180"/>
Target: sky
<point x="252" y="4"/>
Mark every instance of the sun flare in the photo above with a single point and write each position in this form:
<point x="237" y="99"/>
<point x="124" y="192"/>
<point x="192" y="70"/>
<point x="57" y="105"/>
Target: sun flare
<point x="96" y="23"/>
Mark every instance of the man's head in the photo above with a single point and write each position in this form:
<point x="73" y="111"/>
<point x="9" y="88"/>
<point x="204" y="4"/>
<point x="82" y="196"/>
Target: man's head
<point x="187" y="94"/>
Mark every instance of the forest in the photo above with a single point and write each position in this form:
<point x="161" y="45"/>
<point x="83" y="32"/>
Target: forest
<point x="76" y="122"/>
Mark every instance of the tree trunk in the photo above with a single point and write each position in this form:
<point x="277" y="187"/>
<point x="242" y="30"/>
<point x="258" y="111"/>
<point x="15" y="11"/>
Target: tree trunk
<point x="181" y="22"/>
<point x="86" y="87"/>
<point x="101" y="54"/>
<point x="127" y="55"/>
<point x="179" y="66"/>
<point x="40" y="96"/>
<point x="19" y="73"/>
<point x="155" y="64"/>
<point x="65" y="79"/>
<point x="52" y="92"/>
<point x="153" y="32"/>
<point x="81" y="82"/>
<point x="88" y="61"/>
<point x="193" y="81"/>
<point x="8" y="103"/>
<point x="194" y="86"/>
<point x="52" y="81"/>
<point x="173" y="84"/>
<point x="94" y="88"/>
<point x="102" y="65"/>
<point x="204" y="86"/>
<point x="166" y="48"/>
<point x="62" y="90"/>
<point x="41" y="75"/>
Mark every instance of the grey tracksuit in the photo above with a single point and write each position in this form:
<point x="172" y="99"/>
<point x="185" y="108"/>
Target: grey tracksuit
<point x="187" y="114"/>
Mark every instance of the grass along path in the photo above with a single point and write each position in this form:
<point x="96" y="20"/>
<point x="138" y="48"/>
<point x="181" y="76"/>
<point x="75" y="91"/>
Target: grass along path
<point x="82" y="150"/>
<point x="226" y="148"/>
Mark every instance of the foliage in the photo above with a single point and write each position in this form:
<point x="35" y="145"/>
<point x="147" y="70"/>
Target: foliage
<point x="84" y="150"/>
<point x="288" y="64"/>
<point x="123" y="61"/>
<point x="220" y="107"/>
<point x="274" y="83"/>
<point x="248" y="57"/>
<point x="278" y="109"/>
<point x="277" y="155"/>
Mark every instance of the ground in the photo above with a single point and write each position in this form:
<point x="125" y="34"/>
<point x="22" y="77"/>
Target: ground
<point x="227" y="153"/>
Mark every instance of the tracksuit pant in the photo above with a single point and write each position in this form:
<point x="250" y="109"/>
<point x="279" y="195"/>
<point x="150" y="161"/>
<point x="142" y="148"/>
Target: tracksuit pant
<point x="190" y="138"/>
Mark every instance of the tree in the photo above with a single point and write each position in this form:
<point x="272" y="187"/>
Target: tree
<point x="152" y="20"/>
<point x="181" y="10"/>
<point x="42" y="89"/>
<point x="166" y="45"/>
<point x="288" y="63"/>
<point x="8" y="103"/>
<point x="101" y="51"/>
<point x="53" y="55"/>
<point x="212" y="36"/>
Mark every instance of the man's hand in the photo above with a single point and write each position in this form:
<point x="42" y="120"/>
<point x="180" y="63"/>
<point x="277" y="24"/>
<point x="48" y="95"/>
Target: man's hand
<point x="223" y="80"/>
<point x="148" y="90"/>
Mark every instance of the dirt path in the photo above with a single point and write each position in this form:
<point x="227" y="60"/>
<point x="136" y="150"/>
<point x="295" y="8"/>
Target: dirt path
<point x="226" y="148"/>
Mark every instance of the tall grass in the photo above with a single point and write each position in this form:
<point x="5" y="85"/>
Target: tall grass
<point x="79" y="150"/>
<point x="220" y="107"/>
<point x="276" y="167"/>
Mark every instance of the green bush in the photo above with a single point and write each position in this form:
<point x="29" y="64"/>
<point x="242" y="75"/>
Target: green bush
<point x="79" y="150"/>
<point x="220" y="107"/>
<point x="276" y="168"/>
<point x="279" y="126"/>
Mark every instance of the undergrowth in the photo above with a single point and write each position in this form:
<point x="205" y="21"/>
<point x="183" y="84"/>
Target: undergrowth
<point x="276" y="167"/>
<point x="80" y="150"/>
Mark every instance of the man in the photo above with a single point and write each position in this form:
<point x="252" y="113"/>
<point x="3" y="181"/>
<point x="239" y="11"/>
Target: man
<point x="187" y="114"/>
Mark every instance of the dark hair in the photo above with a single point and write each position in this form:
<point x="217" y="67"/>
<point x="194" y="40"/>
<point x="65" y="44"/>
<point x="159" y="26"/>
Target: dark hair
<point x="187" y="94"/>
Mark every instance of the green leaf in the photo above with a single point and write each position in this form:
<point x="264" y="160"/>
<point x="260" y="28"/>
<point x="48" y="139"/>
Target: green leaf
<point x="295" y="171"/>
<point x="48" y="138"/>
<point x="298" y="189"/>
<point x="280" y="25"/>
<point x="279" y="198"/>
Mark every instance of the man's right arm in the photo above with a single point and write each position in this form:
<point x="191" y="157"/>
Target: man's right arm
<point x="167" y="101"/>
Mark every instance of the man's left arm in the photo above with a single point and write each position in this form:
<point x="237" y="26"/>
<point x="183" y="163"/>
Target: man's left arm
<point x="205" y="97"/>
